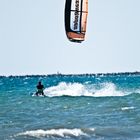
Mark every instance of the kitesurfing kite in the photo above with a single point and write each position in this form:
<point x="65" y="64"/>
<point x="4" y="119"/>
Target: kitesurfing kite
<point x="76" y="19"/>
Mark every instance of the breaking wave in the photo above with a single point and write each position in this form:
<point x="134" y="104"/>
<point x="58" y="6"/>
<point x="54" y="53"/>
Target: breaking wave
<point x="56" y="133"/>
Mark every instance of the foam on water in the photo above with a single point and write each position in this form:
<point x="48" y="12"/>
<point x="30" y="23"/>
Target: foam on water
<point x="127" y="108"/>
<point x="55" y="133"/>
<point x="78" y="89"/>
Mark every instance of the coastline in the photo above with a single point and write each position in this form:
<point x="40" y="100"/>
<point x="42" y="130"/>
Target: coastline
<point x="85" y="74"/>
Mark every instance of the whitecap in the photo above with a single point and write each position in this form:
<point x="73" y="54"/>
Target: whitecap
<point x="127" y="108"/>
<point x="55" y="133"/>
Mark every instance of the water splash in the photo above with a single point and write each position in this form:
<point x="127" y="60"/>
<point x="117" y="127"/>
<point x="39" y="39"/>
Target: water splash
<point x="108" y="89"/>
<point x="78" y="89"/>
<point x="66" y="89"/>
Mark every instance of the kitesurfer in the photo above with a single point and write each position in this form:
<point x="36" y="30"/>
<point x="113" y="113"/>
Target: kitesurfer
<point x="40" y="89"/>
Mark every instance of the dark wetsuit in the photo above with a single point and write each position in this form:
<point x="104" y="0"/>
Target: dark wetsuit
<point x="40" y="88"/>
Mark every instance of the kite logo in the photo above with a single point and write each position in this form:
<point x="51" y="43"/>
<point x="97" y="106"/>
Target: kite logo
<point x="76" y="14"/>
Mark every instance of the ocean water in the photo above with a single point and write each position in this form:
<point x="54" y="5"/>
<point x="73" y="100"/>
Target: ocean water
<point x="76" y="107"/>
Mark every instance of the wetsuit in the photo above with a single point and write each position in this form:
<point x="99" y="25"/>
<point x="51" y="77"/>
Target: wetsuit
<point x="40" y="88"/>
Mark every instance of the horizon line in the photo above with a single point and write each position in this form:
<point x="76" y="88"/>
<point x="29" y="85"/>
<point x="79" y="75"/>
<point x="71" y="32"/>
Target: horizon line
<point x="62" y="74"/>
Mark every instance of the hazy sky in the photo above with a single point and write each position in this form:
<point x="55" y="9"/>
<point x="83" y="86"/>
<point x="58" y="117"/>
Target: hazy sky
<point x="33" y="40"/>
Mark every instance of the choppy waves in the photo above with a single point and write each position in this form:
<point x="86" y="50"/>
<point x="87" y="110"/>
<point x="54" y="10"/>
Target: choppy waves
<point x="97" y="107"/>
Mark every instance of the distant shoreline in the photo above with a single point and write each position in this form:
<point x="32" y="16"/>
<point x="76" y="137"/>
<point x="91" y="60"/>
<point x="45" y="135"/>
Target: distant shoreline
<point x="86" y="74"/>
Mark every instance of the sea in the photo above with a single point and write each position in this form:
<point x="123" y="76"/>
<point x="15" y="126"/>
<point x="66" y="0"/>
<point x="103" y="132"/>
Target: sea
<point x="75" y="107"/>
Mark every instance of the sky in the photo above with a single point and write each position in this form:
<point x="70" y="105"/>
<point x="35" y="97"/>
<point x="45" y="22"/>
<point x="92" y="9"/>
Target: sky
<point x="33" y="39"/>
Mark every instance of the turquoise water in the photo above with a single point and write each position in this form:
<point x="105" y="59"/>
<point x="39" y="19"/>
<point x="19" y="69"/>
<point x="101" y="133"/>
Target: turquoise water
<point x="76" y="107"/>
